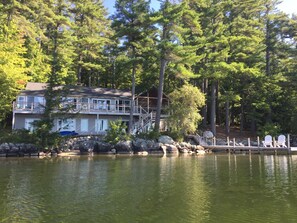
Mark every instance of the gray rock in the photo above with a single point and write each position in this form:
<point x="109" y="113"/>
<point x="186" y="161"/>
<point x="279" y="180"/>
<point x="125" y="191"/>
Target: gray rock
<point x="123" y="146"/>
<point x="208" y="134"/>
<point x="221" y="142"/>
<point x="102" y="147"/>
<point x="171" y="149"/>
<point x="143" y="145"/>
<point x="87" y="146"/>
<point x="166" y="140"/>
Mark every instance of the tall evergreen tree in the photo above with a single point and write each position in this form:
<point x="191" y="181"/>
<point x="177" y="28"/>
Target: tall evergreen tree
<point x="175" y="51"/>
<point x="214" y="65"/>
<point x="132" y="26"/>
<point x="92" y="32"/>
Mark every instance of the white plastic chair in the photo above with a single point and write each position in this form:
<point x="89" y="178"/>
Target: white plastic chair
<point x="281" y="141"/>
<point x="267" y="141"/>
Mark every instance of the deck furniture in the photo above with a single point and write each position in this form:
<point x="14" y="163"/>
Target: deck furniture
<point x="281" y="141"/>
<point x="267" y="141"/>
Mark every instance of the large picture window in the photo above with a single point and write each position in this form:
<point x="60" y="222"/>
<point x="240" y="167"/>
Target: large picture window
<point x="67" y="124"/>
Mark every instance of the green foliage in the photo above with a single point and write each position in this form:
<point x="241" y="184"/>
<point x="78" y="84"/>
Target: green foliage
<point x="151" y="135"/>
<point x="12" y="68"/>
<point x="269" y="129"/>
<point x="246" y="48"/>
<point x="92" y="33"/>
<point x="17" y="136"/>
<point x="184" y="105"/>
<point x="46" y="139"/>
<point x="116" y="132"/>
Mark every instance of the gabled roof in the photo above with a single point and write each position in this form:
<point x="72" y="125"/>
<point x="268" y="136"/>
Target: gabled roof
<point x="152" y="92"/>
<point x="39" y="89"/>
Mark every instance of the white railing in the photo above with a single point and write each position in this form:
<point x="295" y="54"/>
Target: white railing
<point x="79" y="108"/>
<point x="144" y="124"/>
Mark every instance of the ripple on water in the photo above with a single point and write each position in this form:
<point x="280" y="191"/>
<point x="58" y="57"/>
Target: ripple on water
<point x="169" y="189"/>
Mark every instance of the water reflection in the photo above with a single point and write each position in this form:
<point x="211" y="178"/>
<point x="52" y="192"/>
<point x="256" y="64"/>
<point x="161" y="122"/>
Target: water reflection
<point x="253" y="185"/>
<point x="211" y="188"/>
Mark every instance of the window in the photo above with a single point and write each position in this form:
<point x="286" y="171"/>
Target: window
<point x="21" y="102"/>
<point x="30" y="102"/>
<point x="84" y="103"/>
<point x="84" y="125"/>
<point x="100" y="104"/>
<point x="29" y="124"/>
<point x="101" y="125"/>
<point x="69" y="103"/>
<point x="67" y="124"/>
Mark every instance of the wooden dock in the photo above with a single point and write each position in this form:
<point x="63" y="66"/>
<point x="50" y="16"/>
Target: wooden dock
<point x="233" y="147"/>
<point x="249" y="149"/>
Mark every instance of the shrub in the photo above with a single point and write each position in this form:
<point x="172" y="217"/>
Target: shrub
<point x="18" y="136"/>
<point x="269" y="129"/>
<point x="151" y="135"/>
<point x="116" y="132"/>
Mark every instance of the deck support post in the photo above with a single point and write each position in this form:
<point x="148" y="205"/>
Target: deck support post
<point x="228" y="141"/>
<point x="273" y="142"/>
<point x="288" y="138"/>
<point x="289" y="146"/>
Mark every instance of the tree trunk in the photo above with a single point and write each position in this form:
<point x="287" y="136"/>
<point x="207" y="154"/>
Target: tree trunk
<point x="218" y="116"/>
<point x="232" y="121"/>
<point x="241" y="118"/>
<point x="130" y="128"/>
<point x="79" y="70"/>
<point x="160" y="94"/>
<point x="204" y="109"/>
<point x="227" y="104"/>
<point x="213" y="108"/>
<point x="253" y="126"/>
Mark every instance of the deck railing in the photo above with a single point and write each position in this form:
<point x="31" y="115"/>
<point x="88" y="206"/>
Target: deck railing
<point x="78" y="108"/>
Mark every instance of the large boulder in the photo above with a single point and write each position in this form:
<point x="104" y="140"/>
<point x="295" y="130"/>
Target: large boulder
<point x="208" y="134"/>
<point x="166" y="140"/>
<point x="143" y="145"/>
<point x="157" y="148"/>
<point x="139" y="145"/>
<point x="102" y="147"/>
<point x="171" y="149"/>
<point x="124" y="147"/>
<point x="87" y="146"/>
<point x="4" y="148"/>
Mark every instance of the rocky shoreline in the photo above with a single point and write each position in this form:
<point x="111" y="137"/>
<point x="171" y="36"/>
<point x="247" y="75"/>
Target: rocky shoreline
<point x="96" y="145"/>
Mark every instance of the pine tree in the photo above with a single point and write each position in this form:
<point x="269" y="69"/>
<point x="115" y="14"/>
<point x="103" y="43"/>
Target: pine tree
<point x="93" y="33"/>
<point x="175" y="52"/>
<point x="132" y="26"/>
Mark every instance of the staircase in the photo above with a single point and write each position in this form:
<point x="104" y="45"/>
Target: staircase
<point x="145" y="123"/>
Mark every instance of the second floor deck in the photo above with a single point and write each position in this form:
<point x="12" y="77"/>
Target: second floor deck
<point x="83" y="108"/>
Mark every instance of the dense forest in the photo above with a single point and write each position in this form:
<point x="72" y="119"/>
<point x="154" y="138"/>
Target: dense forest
<point x="241" y="54"/>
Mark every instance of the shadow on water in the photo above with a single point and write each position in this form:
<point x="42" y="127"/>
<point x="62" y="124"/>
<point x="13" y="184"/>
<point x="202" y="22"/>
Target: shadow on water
<point x="210" y="188"/>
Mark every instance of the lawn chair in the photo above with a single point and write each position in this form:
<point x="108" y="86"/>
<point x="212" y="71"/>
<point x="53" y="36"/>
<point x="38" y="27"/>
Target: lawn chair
<point x="281" y="141"/>
<point x="267" y="141"/>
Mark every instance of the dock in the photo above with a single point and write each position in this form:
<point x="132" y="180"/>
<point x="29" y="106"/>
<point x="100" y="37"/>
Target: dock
<point x="233" y="147"/>
<point x="249" y="149"/>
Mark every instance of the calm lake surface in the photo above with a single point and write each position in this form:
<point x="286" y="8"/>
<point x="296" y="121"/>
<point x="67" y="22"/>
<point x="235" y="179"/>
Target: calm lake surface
<point x="210" y="188"/>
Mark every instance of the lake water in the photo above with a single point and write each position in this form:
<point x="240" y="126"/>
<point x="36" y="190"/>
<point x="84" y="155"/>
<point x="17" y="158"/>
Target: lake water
<point x="210" y="188"/>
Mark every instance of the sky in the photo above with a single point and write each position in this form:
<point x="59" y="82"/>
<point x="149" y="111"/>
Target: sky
<point x="288" y="6"/>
